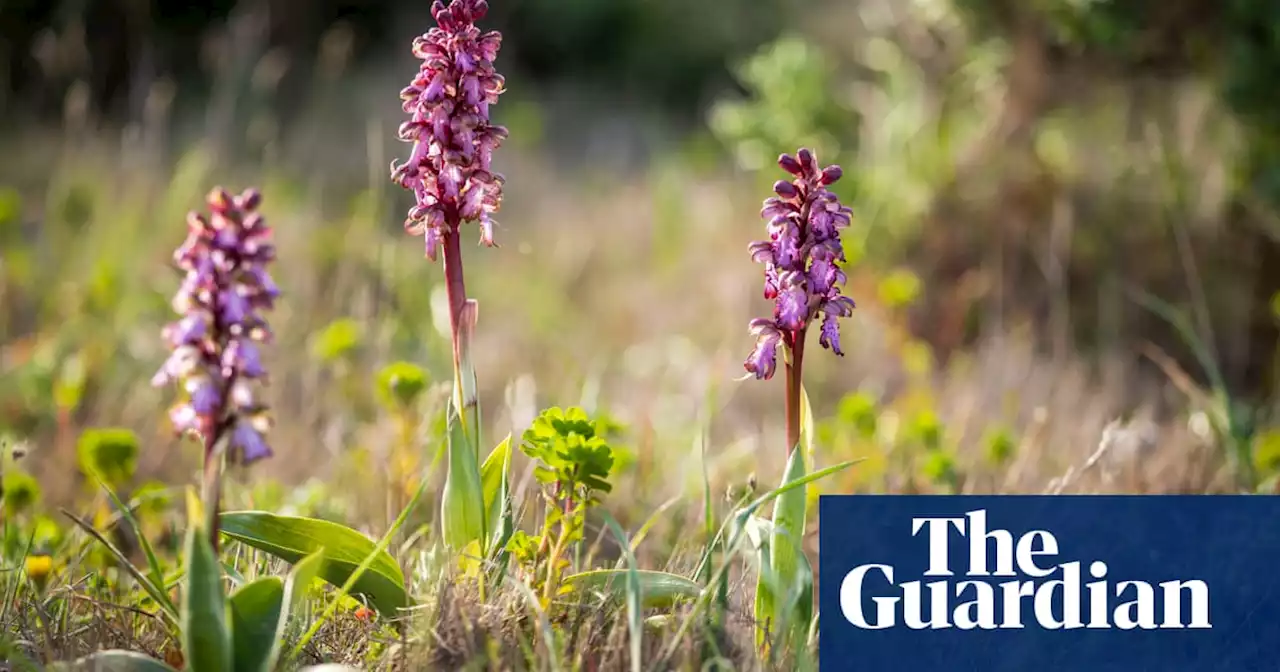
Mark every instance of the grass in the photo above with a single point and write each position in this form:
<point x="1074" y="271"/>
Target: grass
<point x="624" y="294"/>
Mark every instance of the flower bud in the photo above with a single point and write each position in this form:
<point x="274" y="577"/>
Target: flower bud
<point x="789" y="164"/>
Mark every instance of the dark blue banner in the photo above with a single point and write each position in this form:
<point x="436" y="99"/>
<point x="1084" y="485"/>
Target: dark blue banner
<point x="1049" y="584"/>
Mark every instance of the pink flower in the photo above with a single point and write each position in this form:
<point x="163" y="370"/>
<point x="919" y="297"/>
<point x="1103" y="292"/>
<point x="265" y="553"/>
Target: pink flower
<point x="221" y="299"/>
<point x="802" y="261"/>
<point x="448" y="170"/>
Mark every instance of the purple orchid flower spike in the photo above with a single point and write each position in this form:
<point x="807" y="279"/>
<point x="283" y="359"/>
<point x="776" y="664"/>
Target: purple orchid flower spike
<point x="802" y="273"/>
<point x="449" y="170"/>
<point x="215" y="355"/>
<point x="451" y="175"/>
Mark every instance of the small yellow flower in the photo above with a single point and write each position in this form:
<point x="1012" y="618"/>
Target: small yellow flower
<point x="38" y="568"/>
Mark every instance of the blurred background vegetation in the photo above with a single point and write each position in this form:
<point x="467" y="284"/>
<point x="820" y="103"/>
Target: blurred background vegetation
<point x="1043" y="189"/>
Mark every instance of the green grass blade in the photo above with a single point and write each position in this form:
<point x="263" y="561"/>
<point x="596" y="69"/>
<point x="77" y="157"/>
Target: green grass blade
<point x="157" y="594"/>
<point x="732" y="546"/>
<point x="292" y="538"/>
<point x="257" y="611"/>
<point x="634" y="594"/>
<point x="206" y="641"/>
<point x="708" y="507"/>
<point x="792" y="485"/>
<point x="153" y="564"/>
<point x="651" y="521"/>
<point x="11" y="590"/>
<point x="1188" y="333"/>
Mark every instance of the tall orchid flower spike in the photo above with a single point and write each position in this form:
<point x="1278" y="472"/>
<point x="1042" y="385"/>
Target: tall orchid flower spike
<point x="215" y="356"/>
<point x="450" y="174"/>
<point x="802" y="274"/>
<point x="450" y="168"/>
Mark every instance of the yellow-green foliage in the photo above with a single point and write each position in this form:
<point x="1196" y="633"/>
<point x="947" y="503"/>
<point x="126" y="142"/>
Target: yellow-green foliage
<point x="400" y="384"/>
<point x="337" y="341"/>
<point x="21" y="492"/>
<point x="111" y="453"/>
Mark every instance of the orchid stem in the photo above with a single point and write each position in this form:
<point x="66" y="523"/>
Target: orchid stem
<point x="212" y="486"/>
<point x="455" y="286"/>
<point x="794" y="385"/>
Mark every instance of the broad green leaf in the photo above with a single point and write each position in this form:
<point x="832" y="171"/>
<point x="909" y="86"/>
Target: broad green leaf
<point x="206" y="641"/>
<point x="257" y="610"/>
<point x="292" y="538"/>
<point x="807" y="438"/>
<point x="493" y="481"/>
<point x="789" y="520"/>
<point x="462" y="510"/>
<point x="804" y="595"/>
<point x="764" y="603"/>
<point x="114" y="660"/>
<point x="466" y="397"/>
<point x="304" y="572"/>
<point x="356" y="575"/>
<point x="660" y="589"/>
<point x="781" y="579"/>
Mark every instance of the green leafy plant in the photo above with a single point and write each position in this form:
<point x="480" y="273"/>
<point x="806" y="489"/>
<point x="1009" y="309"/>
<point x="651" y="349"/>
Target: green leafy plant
<point x="400" y="387"/>
<point x="21" y="492"/>
<point x="573" y="464"/>
<point x="999" y="446"/>
<point x="791" y="105"/>
<point x="220" y="633"/>
<point x="337" y="341"/>
<point x="110" y="453"/>
<point x="401" y="384"/>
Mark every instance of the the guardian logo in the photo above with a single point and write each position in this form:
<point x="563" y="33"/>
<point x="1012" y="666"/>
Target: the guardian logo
<point x="1017" y="585"/>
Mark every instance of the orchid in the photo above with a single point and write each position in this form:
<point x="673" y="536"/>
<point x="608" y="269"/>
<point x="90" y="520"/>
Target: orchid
<point x="802" y="273"/>
<point x="215" y="344"/>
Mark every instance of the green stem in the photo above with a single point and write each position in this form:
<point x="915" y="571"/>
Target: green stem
<point x="548" y="589"/>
